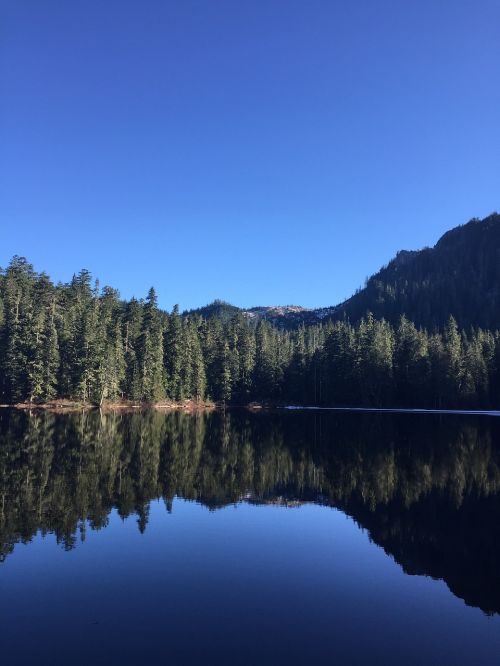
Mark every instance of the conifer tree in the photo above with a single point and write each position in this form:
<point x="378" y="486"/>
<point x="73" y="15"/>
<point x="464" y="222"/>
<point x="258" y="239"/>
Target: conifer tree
<point x="411" y="367"/>
<point x="246" y="347"/>
<point x="198" y="375"/>
<point x="453" y="361"/>
<point x="152" y="376"/>
<point x="174" y="354"/>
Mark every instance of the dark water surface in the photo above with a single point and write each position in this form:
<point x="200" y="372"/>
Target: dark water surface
<point x="238" y="538"/>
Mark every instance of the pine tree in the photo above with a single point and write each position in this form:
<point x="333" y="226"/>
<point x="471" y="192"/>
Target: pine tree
<point x="375" y="362"/>
<point x="411" y="366"/>
<point x="43" y="347"/>
<point x="475" y="379"/>
<point x="339" y="358"/>
<point x="131" y="332"/>
<point x="453" y="361"/>
<point x="174" y="357"/>
<point x="263" y="381"/>
<point x="50" y="355"/>
<point x="193" y="377"/>
<point x="198" y="376"/>
<point x="17" y="331"/>
<point x="224" y="379"/>
<point x="150" y="354"/>
<point x="246" y="348"/>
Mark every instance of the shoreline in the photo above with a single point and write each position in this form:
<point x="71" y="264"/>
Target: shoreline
<point x="193" y="406"/>
<point x="64" y="405"/>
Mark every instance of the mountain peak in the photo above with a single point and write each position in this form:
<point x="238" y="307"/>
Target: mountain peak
<point x="459" y="276"/>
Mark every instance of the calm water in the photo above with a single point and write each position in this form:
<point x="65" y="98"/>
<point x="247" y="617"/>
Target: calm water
<point x="294" y="538"/>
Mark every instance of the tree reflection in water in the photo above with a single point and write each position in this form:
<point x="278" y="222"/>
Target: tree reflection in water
<point x="427" y="488"/>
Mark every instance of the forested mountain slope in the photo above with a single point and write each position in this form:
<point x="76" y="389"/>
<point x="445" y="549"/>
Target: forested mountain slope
<point x="459" y="276"/>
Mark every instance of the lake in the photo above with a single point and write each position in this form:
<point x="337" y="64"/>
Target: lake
<point x="249" y="538"/>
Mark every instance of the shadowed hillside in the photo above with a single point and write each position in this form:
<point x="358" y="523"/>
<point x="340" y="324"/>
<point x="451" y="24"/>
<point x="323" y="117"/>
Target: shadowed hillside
<point x="459" y="276"/>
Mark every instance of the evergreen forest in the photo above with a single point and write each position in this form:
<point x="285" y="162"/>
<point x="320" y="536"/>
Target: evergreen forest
<point x="83" y="343"/>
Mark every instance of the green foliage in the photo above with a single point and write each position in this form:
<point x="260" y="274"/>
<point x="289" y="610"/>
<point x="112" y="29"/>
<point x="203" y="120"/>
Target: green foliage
<point x="150" y="352"/>
<point x="79" y="342"/>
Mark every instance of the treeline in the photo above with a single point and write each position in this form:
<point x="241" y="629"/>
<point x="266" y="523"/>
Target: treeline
<point x="79" y="342"/>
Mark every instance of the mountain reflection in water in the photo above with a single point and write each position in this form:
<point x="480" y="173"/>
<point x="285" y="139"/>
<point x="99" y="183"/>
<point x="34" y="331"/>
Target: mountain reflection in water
<point x="427" y="488"/>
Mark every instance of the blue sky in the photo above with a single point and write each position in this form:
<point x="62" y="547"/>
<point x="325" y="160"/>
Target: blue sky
<point x="265" y="152"/>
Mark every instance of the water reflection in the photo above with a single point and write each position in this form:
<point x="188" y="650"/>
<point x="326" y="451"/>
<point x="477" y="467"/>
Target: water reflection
<point x="427" y="488"/>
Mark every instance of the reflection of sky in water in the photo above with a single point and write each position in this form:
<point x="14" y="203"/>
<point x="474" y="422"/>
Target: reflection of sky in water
<point x="240" y="585"/>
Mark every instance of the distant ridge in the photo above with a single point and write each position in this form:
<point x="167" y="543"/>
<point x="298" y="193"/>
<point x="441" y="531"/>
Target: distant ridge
<point x="459" y="276"/>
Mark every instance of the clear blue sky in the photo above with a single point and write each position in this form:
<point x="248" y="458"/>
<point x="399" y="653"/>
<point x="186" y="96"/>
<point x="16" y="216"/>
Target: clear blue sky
<point x="265" y="152"/>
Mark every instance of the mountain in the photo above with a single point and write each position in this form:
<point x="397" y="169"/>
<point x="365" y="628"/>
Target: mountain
<point x="459" y="276"/>
<point x="282" y="316"/>
<point x="216" y="310"/>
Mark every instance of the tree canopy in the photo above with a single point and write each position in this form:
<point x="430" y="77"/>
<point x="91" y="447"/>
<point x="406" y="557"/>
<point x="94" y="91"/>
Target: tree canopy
<point x="84" y="343"/>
